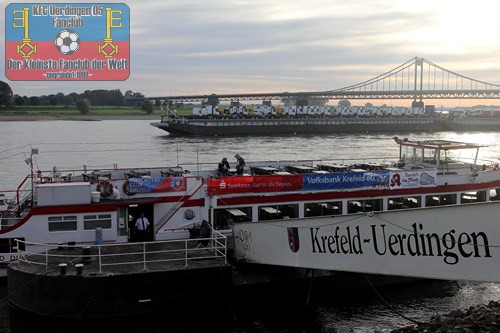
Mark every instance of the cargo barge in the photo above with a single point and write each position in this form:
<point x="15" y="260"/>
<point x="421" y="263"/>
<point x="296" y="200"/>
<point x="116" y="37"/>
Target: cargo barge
<point x="268" y="120"/>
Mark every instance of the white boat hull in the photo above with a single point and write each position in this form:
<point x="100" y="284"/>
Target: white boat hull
<point x="447" y="242"/>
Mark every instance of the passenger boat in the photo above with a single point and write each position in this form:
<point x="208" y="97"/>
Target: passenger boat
<point x="433" y="211"/>
<point x="66" y="205"/>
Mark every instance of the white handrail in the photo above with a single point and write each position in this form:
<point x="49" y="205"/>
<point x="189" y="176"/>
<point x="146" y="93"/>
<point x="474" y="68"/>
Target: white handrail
<point x="50" y="256"/>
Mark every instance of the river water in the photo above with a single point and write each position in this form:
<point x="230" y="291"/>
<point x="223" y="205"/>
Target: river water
<point x="135" y="144"/>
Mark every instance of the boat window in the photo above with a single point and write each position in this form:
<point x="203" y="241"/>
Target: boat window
<point x="323" y="208"/>
<point x="90" y="222"/>
<point x="406" y="153"/>
<point x="278" y="212"/>
<point x="440" y="200"/>
<point x="9" y="245"/>
<point x="495" y="194"/>
<point x="430" y="156"/>
<point x="369" y="205"/>
<point x="62" y="223"/>
<point x="418" y="156"/>
<point x="224" y="218"/>
<point x="403" y="203"/>
<point x="474" y="196"/>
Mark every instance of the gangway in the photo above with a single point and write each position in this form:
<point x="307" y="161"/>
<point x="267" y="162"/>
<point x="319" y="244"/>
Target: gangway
<point x="450" y="244"/>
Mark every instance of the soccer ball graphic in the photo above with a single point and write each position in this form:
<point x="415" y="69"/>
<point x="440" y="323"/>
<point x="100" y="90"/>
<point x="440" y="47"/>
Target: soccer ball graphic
<point x="67" y="42"/>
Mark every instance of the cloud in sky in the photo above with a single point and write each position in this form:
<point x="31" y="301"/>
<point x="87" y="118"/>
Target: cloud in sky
<point x="220" y="46"/>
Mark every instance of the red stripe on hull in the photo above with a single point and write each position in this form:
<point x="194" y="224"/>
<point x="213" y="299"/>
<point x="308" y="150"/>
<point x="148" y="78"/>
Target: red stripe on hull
<point x="97" y="208"/>
<point x="353" y="194"/>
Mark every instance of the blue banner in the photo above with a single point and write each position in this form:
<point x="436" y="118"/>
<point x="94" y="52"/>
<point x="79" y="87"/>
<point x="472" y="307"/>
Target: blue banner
<point x="161" y="184"/>
<point x="347" y="180"/>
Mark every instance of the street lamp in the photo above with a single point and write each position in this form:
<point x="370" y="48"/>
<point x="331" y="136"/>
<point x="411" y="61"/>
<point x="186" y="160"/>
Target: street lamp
<point x="29" y="161"/>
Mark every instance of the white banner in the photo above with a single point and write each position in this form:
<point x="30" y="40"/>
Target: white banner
<point x="413" y="178"/>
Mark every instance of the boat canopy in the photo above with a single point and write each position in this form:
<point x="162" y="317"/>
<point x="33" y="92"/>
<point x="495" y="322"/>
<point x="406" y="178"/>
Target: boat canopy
<point x="434" y="152"/>
<point x="438" y="144"/>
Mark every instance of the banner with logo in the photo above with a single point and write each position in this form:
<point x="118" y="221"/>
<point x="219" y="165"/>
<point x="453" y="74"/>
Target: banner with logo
<point x="67" y="41"/>
<point x="413" y="178"/>
<point x="161" y="184"/>
<point x="346" y="180"/>
<point x="251" y="184"/>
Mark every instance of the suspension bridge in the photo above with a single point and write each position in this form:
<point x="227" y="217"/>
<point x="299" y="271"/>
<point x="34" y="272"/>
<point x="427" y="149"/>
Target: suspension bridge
<point x="416" y="79"/>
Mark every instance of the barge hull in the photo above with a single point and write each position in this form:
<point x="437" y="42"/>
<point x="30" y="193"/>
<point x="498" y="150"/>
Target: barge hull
<point x="72" y="296"/>
<point x="228" y="290"/>
<point x="473" y="124"/>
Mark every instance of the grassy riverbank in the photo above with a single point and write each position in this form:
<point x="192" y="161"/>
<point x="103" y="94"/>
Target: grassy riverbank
<point x="70" y="111"/>
<point x="30" y="113"/>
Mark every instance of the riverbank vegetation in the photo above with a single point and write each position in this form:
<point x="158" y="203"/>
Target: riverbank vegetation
<point x="62" y="111"/>
<point x="70" y="111"/>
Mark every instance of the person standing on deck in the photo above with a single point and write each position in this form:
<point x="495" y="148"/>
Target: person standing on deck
<point x="240" y="164"/>
<point x="223" y="167"/>
<point x="142" y="228"/>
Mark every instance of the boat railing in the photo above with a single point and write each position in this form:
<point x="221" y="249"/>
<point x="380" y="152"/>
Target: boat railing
<point x="113" y="172"/>
<point x="122" y="258"/>
<point x="10" y="217"/>
<point x="281" y="164"/>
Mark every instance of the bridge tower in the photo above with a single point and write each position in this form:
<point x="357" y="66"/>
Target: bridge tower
<point x="419" y="63"/>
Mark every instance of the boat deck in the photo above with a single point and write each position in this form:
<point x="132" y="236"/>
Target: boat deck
<point x="128" y="258"/>
<point x="99" y="281"/>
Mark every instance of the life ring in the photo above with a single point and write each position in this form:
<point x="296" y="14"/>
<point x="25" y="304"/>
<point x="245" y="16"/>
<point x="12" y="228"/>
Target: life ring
<point x="105" y="187"/>
<point x="126" y="189"/>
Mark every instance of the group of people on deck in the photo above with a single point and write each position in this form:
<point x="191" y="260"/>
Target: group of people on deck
<point x="224" y="167"/>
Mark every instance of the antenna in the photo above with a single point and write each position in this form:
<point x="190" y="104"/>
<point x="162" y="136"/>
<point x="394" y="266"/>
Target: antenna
<point x="197" y="161"/>
<point x="29" y="161"/>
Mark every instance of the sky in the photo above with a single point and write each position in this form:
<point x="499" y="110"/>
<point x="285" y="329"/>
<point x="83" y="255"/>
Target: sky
<point x="181" y="47"/>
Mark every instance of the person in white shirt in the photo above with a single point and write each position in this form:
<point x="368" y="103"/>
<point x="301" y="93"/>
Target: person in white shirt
<point x="142" y="228"/>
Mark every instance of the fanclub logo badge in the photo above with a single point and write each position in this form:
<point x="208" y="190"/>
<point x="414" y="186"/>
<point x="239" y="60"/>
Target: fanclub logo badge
<point x="56" y="41"/>
<point x="293" y="239"/>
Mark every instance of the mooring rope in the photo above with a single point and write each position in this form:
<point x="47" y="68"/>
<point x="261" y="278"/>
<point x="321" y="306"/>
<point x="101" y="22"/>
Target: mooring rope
<point x="29" y="283"/>
<point x="390" y="306"/>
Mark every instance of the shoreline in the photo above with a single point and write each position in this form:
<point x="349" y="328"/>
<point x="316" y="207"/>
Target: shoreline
<point x="77" y="117"/>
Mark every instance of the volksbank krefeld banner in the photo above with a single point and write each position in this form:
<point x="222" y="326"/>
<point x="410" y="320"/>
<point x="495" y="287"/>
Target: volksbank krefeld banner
<point x="161" y="184"/>
<point x="67" y="41"/>
<point x="348" y="180"/>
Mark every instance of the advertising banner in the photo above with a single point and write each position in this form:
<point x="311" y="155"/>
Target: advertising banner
<point x="251" y="184"/>
<point x="346" y="180"/>
<point x="161" y="184"/>
<point x="67" y="41"/>
<point x="413" y="178"/>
